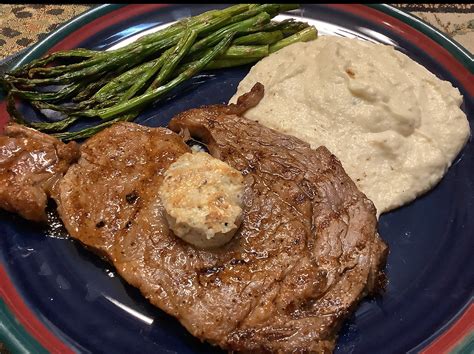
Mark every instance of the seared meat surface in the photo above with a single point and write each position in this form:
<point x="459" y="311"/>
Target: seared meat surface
<point x="306" y="253"/>
<point x="101" y="198"/>
<point x="30" y="165"/>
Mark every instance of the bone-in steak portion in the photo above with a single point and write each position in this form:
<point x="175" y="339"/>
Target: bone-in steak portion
<point x="30" y="165"/>
<point x="306" y="253"/>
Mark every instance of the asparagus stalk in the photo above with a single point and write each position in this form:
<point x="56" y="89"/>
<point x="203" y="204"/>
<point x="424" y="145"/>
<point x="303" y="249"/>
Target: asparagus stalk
<point x="175" y="57"/>
<point x="235" y="51"/>
<point x="123" y="81"/>
<point x="228" y="13"/>
<point x="259" y="38"/>
<point x="305" y="35"/>
<point x="288" y="27"/>
<point x="91" y="89"/>
<point x="143" y="79"/>
<point x="246" y="51"/>
<point x="87" y="132"/>
<point x="55" y="126"/>
<point x="112" y="60"/>
<point x="72" y="53"/>
<point x="61" y="94"/>
<point x="13" y="112"/>
<point x="105" y="64"/>
<point x="61" y="69"/>
<point x="58" y="108"/>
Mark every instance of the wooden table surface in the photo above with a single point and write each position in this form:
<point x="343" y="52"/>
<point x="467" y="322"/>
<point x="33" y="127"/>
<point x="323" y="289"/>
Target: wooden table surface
<point x="23" y="25"/>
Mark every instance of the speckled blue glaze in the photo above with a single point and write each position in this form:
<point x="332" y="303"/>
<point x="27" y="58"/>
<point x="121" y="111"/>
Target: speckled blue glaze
<point x="430" y="266"/>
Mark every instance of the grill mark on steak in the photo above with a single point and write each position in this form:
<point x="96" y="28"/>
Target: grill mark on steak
<point x="132" y="197"/>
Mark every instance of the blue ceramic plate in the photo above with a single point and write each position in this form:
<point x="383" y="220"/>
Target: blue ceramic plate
<point x="57" y="296"/>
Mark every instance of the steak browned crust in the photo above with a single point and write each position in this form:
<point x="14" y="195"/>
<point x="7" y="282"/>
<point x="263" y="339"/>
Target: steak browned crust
<point x="30" y="165"/>
<point x="101" y="197"/>
<point x="306" y="253"/>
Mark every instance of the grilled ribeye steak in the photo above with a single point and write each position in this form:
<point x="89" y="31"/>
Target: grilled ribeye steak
<point x="306" y="253"/>
<point x="30" y="165"/>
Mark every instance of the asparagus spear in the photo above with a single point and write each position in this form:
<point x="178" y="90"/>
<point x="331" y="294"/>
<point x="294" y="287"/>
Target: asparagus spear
<point x="85" y="133"/>
<point x="61" y="94"/>
<point x="287" y="27"/>
<point x="205" y="17"/>
<point x="305" y="35"/>
<point x="90" y="60"/>
<point x="235" y="51"/>
<point x="260" y="18"/>
<point x="143" y="79"/>
<point x="245" y="51"/>
<point x="72" y="53"/>
<point x="55" y="126"/>
<point x="123" y="81"/>
<point x="259" y="38"/>
<point x="92" y="88"/>
<point x="58" y="108"/>
<point x="175" y="57"/>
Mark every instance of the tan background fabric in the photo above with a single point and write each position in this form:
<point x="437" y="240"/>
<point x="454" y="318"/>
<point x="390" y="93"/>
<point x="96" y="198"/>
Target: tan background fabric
<point x="23" y="25"/>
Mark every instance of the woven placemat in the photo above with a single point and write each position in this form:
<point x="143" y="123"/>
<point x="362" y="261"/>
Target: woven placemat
<point x="23" y="25"/>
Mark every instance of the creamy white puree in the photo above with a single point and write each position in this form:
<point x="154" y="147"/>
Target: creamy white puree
<point x="394" y="125"/>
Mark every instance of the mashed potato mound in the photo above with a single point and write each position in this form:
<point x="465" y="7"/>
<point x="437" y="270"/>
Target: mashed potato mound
<point x="394" y="125"/>
<point x="202" y="197"/>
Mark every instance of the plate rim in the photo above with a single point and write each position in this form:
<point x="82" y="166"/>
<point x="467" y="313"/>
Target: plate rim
<point x="455" y="48"/>
<point x="19" y="338"/>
